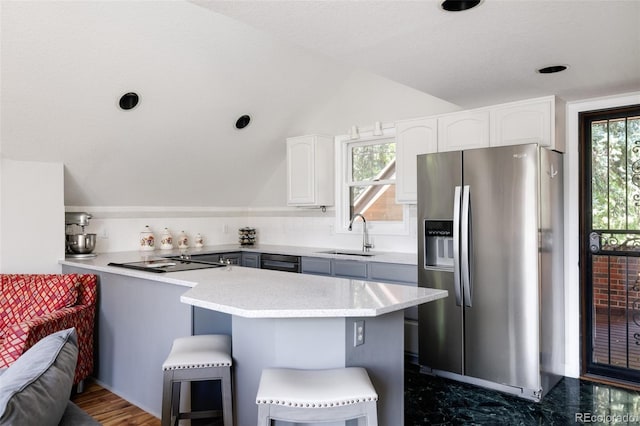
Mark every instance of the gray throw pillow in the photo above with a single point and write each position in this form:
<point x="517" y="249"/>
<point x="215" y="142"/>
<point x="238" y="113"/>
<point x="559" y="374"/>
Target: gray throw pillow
<point x="35" y="389"/>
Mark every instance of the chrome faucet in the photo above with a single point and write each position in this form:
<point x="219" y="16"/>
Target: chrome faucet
<point x="365" y="235"/>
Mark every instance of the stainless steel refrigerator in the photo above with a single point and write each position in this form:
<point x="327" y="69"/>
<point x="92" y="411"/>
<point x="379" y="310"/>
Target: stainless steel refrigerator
<point x="490" y="232"/>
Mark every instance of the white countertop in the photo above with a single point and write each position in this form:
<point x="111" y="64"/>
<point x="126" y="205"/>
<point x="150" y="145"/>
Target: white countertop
<point x="187" y="278"/>
<point x="101" y="262"/>
<point x="259" y="293"/>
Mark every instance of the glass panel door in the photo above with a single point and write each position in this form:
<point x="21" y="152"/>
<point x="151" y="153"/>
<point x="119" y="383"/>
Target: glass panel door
<point x="611" y="242"/>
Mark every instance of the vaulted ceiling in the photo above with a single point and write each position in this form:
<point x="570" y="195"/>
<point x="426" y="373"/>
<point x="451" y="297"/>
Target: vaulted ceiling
<point x="485" y="55"/>
<point x="295" y="66"/>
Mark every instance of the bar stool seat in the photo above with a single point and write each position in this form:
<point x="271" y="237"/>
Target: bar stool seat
<point x="316" y="395"/>
<point x="197" y="358"/>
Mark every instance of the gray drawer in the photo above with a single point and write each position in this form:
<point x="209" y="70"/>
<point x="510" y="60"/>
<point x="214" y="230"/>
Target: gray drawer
<point x="216" y="257"/>
<point x="235" y="257"/>
<point x="393" y="273"/>
<point x="316" y="265"/>
<point x="251" y="260"/>
<point x="207" y="257"/>
<point x="349" y="269"/>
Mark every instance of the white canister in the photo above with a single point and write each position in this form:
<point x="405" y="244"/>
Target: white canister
<point x="199" y="241"/>
<point x="147" y="239"/>
<point x="166" y="240"/>
<point x="183" y="241"/>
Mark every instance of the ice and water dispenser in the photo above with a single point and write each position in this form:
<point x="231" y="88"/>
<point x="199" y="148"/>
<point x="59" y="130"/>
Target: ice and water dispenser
<point x="438" y="243"/>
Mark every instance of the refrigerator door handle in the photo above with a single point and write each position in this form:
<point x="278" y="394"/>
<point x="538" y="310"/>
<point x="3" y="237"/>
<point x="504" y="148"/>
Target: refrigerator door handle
<point x="456" y="246"/>
<point x="465" y="243"/>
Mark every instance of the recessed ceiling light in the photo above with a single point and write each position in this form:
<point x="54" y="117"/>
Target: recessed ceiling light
<point x="459" y="5"/>
<point x="243" y="122"/>
<point x="129" y="100"/>
<point x="552" y="69"/>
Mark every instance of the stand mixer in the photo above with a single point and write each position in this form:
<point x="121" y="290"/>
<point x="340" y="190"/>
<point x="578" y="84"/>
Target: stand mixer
<point x="78" y="245"/>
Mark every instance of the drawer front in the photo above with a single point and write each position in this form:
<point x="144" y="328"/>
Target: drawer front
<point x="316" y="265"/>
<point x="393" y="273"/>
<point x="251" y="260"/>
<point x="235" y="257"/>
<point x="349" y="269"/>
<point x="207" y="257"/>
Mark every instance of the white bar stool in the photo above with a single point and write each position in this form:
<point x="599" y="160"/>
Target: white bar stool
<point x="305" y="396"/>
<point x="196" y="358"/>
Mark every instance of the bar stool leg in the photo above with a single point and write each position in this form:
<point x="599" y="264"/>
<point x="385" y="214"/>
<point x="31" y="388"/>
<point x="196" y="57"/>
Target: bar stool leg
<point x="372" y="415"/>
<point x="263" y="415"/>
<point x="167" y="402"/>
<point x="227" y="397"/>
<point x="175" y="402"/>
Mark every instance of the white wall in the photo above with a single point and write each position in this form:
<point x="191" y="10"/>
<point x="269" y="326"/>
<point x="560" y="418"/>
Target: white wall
<point x="118" y="229"/>
<point x="361" y="99"/>
<point x="572" y="212"/>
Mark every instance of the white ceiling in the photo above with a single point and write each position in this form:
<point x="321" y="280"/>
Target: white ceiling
<point x="478" y="57"/>
<point x="297" y="67"/>
<point x="196" y="72"/>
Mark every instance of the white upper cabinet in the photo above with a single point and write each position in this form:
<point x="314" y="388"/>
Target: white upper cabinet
<point x="539" y="120"/>
<point x="531" y="121"/>
<point x="463" y="130"/>
<point x="413" y="137"/>
<point x="310" y="171"/>
<point x="32" y="199"/>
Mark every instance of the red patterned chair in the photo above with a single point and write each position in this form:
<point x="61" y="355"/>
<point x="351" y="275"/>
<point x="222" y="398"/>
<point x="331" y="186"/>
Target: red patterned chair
<point x="33" y="306"/>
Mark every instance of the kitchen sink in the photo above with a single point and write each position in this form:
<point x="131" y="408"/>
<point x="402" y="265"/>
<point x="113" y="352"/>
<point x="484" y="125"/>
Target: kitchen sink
<point x="349" y="252"/>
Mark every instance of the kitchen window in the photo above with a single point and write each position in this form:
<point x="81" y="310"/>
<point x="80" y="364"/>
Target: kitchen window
<point x="367" y="184"/>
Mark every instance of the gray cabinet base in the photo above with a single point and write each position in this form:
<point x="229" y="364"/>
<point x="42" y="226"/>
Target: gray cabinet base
<point x="320" y="343"/>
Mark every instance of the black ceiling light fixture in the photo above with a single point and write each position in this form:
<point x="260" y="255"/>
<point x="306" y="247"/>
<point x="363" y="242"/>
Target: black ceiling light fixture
<point x="552" y="69"/>
<point x="243" y="122"/>
<point x="459" y="5"/>
<point x="129" y="100"/>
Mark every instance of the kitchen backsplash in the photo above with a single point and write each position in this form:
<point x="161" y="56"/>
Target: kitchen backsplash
<point x="296" y="228"/>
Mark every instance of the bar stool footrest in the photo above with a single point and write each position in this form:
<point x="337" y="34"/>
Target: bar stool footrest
<point x="204" y="414"/>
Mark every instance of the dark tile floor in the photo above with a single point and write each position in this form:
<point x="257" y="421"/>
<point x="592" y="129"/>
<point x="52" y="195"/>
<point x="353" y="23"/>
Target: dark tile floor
<point x="436" y="401"/>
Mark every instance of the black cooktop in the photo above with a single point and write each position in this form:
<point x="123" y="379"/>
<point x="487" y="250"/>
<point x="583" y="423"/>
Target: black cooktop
<point x="161" y="265"/>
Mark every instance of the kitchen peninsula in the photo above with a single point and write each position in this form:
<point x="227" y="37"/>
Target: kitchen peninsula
<point x="275" y="319"/>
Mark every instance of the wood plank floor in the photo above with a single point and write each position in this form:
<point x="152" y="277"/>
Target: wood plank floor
<point x="109" y="409"/>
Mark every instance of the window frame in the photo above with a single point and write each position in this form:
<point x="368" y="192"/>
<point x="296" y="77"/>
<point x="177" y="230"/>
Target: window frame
<point x="344" y="181"/>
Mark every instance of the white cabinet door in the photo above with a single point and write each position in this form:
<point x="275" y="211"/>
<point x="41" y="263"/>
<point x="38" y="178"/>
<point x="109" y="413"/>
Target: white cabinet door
<point x="310" y="166"/>
<point x="463" y="130"/>
<point x="528" y="122"/>
<point x="413" y="137"/>
<point x="32" y="220"/>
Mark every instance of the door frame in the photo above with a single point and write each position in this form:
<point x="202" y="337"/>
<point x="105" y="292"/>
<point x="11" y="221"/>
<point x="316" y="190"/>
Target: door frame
<point x="584" y="214"/>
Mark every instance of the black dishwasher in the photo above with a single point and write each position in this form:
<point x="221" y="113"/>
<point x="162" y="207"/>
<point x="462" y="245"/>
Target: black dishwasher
<point x="280" y="262"/>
